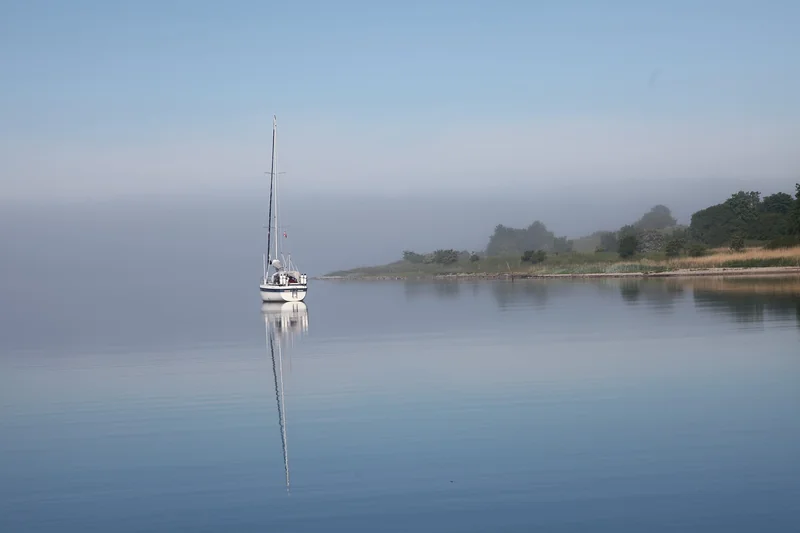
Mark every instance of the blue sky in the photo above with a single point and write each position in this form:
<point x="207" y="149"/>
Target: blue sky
<point x="104" y="98"/>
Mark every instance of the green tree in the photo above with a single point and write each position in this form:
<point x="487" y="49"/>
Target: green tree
<point x="680" y="233"/>
<point x="504" y="241"/>
<point x="716" y="224"/>
<point x="413" y="257"/>
<point x="625" y="231"/>
<point x="786" y="241"/>
<point x="474" y="258"/>
<point x="609" y="241"/>
<point x="697" y="250"/>
<point x="794" y="224"/>
<point x="737" y="242"/>
<point x="659" y="217"/>
<point x="780" y="203"/>
<point x="511" y="241"/>
<point x="534" y="256"/>
<point x="746" y="205"/>
<point x="675" y="246"/>
<point x="746" y="214"/>
<point x="445" y="257"/>
<point x="562" y="245"/>
<point x="627" y="246"/>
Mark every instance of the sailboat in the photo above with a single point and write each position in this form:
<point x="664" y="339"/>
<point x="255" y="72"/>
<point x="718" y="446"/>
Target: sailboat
<point x="281" y="281"/>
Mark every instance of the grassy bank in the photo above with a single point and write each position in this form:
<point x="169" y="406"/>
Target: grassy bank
<point x="581" y="264"/>
<point x="752" y="258"/>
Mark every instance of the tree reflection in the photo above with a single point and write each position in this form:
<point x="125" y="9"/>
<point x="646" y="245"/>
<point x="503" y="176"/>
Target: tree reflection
<point x="660" y="294"/>
<point x="441" y="288"/>
<point x="750" y="300"/>
<point x="536" y="292"/>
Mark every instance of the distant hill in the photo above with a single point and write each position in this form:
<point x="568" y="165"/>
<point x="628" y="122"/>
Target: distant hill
<point x="744" y="216"/>
<point x="513" y="241"/>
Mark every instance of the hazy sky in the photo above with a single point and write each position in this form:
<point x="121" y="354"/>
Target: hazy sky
<point x="105" y="98"/>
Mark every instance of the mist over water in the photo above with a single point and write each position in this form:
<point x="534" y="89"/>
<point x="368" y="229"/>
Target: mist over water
<point x="195" y="237"/>
<point x="103" y="259"/>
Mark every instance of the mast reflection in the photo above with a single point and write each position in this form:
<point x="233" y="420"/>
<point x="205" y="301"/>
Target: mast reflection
<point x="283" y="321"/>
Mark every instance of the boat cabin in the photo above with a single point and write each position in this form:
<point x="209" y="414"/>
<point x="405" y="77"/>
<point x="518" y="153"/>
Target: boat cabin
<point x="288" y="278"/>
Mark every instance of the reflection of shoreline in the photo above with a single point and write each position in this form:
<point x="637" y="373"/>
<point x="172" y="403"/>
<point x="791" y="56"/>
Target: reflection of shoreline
<point x="443" y="288"/>
<point x="693" y="273"/>
<point x="777" y="285"/>
<point x="746" y="299"/>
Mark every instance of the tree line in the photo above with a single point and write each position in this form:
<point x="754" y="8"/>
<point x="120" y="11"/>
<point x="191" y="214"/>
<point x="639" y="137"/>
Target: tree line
<point x="745" y="215"/>
<point x="773" y="221"/>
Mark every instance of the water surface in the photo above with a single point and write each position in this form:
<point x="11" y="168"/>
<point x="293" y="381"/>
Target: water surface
<point x="406" y="406"/>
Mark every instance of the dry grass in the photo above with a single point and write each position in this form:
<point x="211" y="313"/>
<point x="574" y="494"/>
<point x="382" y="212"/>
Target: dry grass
<point x="753" y="257"/>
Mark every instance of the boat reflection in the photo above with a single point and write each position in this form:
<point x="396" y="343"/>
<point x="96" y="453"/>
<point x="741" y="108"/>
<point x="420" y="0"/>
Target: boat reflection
<point x="283" y="321"/>
<point x="287" y="320"/>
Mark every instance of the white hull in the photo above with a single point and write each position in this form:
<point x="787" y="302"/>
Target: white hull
<point x="278" y="293"/>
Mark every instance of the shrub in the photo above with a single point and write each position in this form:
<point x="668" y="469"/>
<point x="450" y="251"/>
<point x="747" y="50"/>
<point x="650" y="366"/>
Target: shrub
<point x="786" y="241"/>
<point x="413" y="257"/>
<point x="674" y="247"/>
<point x="534" y="257"/>
<point x="445" y="257"/>
<point x="697" y="250"/>
<point x="737" y="242"/>
<point x="474" y="258"/>
<point x="627" y="246"/>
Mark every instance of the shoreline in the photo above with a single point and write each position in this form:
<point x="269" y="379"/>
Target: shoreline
<point x="680" y="273"/>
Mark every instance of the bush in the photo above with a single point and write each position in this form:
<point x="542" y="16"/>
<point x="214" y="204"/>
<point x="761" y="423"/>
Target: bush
<point x="627" y="246"/>
<point x="534" y="257"/>
<point x="674" y="247"/>
<point x="413" y="257"/>
<point x="737" y="242"/>
<point x="786" y="241"/>
<point x="474" y="258"/>
<point x="445" y="257"/>
<point x="609" y="242"/>
<point x="697" y="250"/>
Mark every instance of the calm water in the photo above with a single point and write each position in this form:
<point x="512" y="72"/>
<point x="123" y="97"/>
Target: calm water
<point x="442" y="407"/>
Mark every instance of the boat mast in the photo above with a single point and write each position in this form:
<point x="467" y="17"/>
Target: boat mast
<point x="275" y="163"/>
<point x="271" y="187"/>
